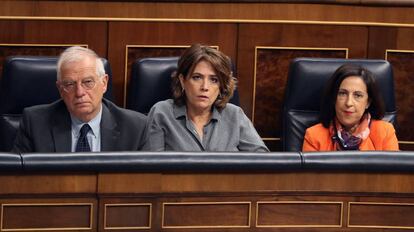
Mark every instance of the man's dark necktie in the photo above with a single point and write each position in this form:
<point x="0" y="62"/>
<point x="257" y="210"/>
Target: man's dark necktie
<point x="83" y="145"/>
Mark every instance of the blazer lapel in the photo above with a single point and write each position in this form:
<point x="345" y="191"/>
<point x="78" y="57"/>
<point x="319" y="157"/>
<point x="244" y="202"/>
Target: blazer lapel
<point x="61" y="129"/>
<point x="109" y="130"/>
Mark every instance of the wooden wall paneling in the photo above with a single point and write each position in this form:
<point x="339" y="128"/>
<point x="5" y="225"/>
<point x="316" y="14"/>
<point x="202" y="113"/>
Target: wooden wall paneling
<point x="93" y="34"/>
<point x="293" y="201"/>
<point x="207" y="215"/>
<point x="353" y="38"/>
<point x="403" y="66"/>
<point x="299" y="214"/>
<point x="381" y="39"/>
<point x="381" y="215"/>
<point x="283" y="10"/>
<point x="44" y="184"/>
<point x="47" y="216"/>
<point x="40" y="201"/>
<point x="122" y="216"/>
<point x="146" y="184"/>
<point x="287" y="35"/>
<point x="158" y="34"/>
<point x="137" y="212"/>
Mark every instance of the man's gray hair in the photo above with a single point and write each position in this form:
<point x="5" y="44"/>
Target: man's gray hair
<point x="76" y="53"/>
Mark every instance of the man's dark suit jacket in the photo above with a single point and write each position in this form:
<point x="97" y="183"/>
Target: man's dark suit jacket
<point x="47" y="128"/>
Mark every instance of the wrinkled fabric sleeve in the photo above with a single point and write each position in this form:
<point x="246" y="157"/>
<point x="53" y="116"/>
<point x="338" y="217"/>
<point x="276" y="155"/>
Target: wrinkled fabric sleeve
<point x="390" y="142"/>
<point x="155" y="139"/>
<point x="23" y="142"/>
<point x="249" y="138"/>
<point x="308" y="143"/>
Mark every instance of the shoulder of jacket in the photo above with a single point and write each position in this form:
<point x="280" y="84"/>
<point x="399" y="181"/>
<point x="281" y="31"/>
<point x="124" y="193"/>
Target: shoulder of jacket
<point x="379" y="127"/>
<point x="113" y="108"/>
<point x="317" y="128"/>
<point x="45" y="108"/>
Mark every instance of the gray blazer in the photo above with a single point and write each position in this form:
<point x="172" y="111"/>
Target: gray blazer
<point x="47" y="128"/>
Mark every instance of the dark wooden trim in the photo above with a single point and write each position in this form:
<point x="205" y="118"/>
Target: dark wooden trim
<point x="396" y="3"/>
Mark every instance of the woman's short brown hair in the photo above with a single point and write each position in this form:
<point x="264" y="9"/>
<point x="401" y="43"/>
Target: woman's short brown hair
<point x="221" y="64"/>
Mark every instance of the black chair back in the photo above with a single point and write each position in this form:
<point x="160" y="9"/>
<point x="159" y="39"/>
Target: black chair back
<point x="306" y="81"/>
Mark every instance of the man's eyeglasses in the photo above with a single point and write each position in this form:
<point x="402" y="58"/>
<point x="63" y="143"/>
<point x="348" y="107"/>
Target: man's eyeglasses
<point x="70" y="86"/>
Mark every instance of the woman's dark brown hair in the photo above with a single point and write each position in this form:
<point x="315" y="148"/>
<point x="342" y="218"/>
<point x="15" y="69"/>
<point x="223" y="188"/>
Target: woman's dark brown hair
<point x="221" y="64"/>
<point x="376" y="107"/>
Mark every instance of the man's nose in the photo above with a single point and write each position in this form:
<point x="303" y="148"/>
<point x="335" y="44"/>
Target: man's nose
<point x="80" y="91"/>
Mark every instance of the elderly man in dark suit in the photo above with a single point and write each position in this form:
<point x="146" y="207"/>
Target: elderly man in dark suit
<point x="82" y="120"/>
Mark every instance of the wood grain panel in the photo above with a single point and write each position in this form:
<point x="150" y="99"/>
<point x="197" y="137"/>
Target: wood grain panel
<point x="403" y="67"/>
<point x="43" y="183"/>
<point x="93" y="34"/>
<point x="47" y="216"/>
<point x="299" y="214"/>
<point x="144" y="184"/>
<point x="206" y="215"/>
<point x="127" y="216"/>
<point x="223" y="35"/>
<point x="381" y="215"/>
<point x="381" y="39"/>
<point x="272" y="66"/>
<point x="129" y="183"/>
<point x="283" y="35"/>
<point x="286" y="10"/>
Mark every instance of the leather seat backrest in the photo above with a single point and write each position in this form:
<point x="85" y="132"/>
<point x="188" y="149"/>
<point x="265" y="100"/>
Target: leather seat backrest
<point x="306" y="81"/>
<point x="28" y="81"/>
<point x="151" y="82"/>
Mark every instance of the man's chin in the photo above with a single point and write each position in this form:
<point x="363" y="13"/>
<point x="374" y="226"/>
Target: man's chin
<point x="82" y="110"/>
<point x="82" y="113"/>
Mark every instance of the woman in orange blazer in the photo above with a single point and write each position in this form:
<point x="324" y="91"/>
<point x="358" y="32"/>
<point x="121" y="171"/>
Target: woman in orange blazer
<point x="351" y="113"/>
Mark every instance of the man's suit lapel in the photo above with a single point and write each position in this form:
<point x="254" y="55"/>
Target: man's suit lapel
<point x="109" y="130"/>
<point x="62" y="130"/>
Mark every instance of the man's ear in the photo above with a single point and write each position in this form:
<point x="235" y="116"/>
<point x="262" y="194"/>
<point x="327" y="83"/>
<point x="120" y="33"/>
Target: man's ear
<point x="105" y="82"/>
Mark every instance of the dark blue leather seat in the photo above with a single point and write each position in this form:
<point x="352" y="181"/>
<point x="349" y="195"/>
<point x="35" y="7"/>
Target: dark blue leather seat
<point x="381" y="161"/>
<point x="306" y="80"/>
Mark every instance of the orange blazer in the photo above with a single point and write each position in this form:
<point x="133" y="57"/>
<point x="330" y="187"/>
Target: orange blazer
<point x="381" y="137"/>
